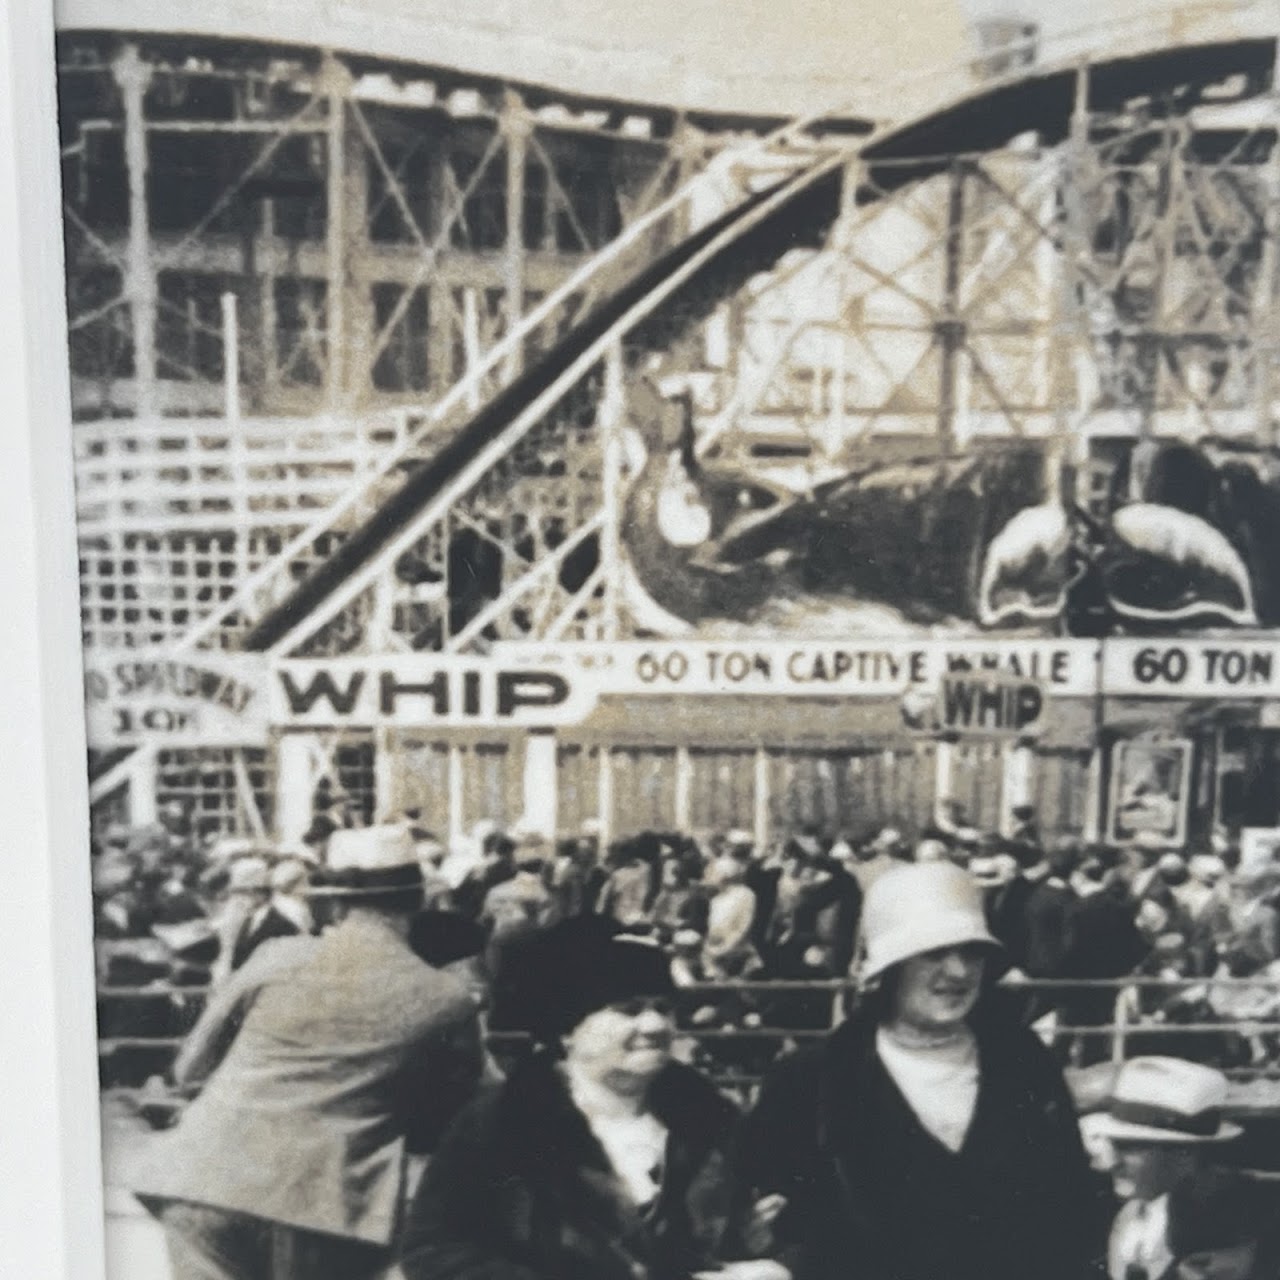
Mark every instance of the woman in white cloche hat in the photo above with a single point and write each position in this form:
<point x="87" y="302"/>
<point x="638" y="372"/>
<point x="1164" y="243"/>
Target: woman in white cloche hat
<point x="930" y="1136"/>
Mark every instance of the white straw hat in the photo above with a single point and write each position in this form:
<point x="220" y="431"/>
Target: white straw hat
<point x="250" y="874"/>
<point x="1168" y="1100"/>
<point x="368" y="861"/>
<point x="919" y="907"/>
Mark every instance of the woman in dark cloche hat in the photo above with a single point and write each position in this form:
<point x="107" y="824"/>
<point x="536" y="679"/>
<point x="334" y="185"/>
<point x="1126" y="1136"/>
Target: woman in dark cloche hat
<point x="599" y="1157"/>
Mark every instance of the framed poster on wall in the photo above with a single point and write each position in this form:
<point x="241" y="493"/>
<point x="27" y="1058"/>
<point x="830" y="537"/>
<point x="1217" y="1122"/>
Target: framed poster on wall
<point x="1150" y="790"/>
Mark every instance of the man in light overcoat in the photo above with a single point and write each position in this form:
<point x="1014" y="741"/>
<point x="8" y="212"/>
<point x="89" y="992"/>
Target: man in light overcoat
<point x="324" y="1062"/>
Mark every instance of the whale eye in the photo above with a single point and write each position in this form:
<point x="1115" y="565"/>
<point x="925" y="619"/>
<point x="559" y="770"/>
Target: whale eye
<point x="683" y="520"/>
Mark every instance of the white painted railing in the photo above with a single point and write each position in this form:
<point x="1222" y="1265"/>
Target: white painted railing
<point x="216" y="474"/>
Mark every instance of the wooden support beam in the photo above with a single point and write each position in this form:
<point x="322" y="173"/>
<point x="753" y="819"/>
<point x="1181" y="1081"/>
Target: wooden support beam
<point x="335" y="85"/>
<point x="515" y="126"/>
<point x="457" y="792"/>
<point x="541" y="791"/>
<point x="610" y="421"/>
<point x="133" y="75"/>
<point x="295" y="784"/>
<point x="761" y="800"/>
<point x="683" y="789"/>
<point x="950" y="327"/>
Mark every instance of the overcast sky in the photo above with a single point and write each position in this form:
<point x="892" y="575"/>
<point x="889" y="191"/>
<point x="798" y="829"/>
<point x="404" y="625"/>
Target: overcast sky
<point x="764" y="56"/>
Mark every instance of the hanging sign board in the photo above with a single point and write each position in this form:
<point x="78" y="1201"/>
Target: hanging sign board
<point x="175" y="699"/>
<point x="977" y="704"/>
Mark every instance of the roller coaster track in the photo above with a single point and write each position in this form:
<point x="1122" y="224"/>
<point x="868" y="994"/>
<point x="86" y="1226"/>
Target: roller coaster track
<point x="660" y="296"/>
<point x="478" y="392"/>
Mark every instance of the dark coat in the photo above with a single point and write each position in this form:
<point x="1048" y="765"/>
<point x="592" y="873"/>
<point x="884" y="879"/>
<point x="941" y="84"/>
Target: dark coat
<point x="271" y="925"/>
<point x="520" y="1188"/>
<point x="871" y="1193"/>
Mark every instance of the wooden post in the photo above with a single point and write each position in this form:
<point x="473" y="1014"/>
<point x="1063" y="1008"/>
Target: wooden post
<point x="295" y="783"/>
<point x="335" y="81"/>
<point x="133" y="75"/>
<point x="143" y="786"/>
<point x="388" y="799"/>
<point x="236" y="452"/>
<point x="604" y="797"/>
<point x="457" y="785"/>
<point x="441" y="307"/>
<point x="541" y="790"/>
<point x="609" y="423"/>
<point x="944" y="761"/>
<point x="515" y="128"/>
<point x="1019" y="781"/>
<point x="684" y="789"/>
<point x="762" y="798"/>
<point x="950" y="328"/>
<point x="1095" y="800"/>
<point x="471" y="340"/>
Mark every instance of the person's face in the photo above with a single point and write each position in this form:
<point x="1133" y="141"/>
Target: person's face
<point x="623" y="1045"/>
<point x="1234" y="1262"/>
<point x="1146" y="1171"/>
<point x="938" y="989"/>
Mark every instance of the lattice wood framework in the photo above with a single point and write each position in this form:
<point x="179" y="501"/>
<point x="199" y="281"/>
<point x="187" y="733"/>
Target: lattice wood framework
<point x="1108" y="276"/>
<point x="276" y="258"/>
<point x="372" y="222"/>
<point x="1118" y="282"/>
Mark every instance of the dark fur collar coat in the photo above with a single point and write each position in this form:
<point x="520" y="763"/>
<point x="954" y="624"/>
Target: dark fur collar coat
<point x="520" y="1189"/>
<point x="872" y="1194"/>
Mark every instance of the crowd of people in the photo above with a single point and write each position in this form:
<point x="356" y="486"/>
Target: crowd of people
<point x="731" y="914"/>
<point x="931" y="1135"/>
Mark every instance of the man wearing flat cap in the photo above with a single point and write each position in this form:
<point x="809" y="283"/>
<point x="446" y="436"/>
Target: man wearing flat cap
<point x="323" y="1062"/>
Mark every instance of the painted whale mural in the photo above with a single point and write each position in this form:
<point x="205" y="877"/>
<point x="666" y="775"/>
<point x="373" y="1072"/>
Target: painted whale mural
<point x="936" y="542"/>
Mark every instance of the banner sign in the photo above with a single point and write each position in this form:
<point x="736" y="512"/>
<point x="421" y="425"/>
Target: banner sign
<point x="977" y="704"/>
<point x="1219" y="668"/>
<point x="551" y="685"/>
<point x="421" y="689"/>
<point x="866" y="669"/>
<point x="190" y="699"/>
<point x="975" y="686"/>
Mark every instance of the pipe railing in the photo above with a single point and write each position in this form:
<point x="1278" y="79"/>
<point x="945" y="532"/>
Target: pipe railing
<point x="1120" y="1031"/>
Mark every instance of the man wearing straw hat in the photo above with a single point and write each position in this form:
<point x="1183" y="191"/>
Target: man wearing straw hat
<point x="323" y="1061"/>
<point x="1164" y="1124"/>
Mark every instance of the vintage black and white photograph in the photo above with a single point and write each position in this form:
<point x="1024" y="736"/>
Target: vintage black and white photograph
<point x="681" y="627"/>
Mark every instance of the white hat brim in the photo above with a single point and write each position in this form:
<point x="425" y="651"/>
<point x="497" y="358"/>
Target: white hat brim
<point x="953" y="930"/>
<point x="1107" y="1126"/>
